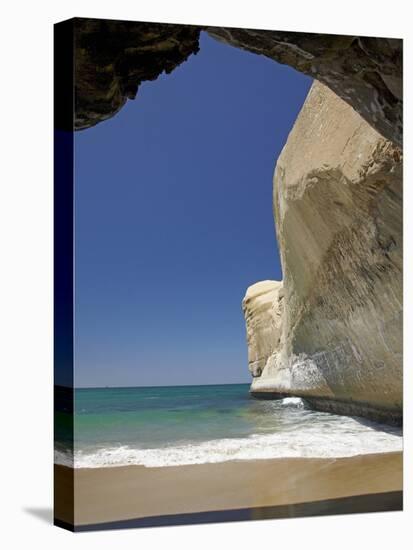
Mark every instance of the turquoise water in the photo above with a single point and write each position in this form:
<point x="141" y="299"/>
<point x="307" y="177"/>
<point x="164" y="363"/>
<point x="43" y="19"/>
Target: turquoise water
<point x="168" y="415"/>
<point x="162" y="426"/>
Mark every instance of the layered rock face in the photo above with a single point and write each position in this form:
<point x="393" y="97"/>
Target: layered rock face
<point x="338" y="210"/>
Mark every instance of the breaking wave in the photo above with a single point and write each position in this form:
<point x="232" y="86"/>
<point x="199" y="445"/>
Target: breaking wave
<point x="319" y="436"/>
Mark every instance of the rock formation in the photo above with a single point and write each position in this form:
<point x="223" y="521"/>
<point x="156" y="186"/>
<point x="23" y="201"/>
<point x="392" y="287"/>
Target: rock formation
<point x="114" y="57"/>
<point x="364" y="71"/>
<point x="262" y="308"/>
<point x="338" y="210"/>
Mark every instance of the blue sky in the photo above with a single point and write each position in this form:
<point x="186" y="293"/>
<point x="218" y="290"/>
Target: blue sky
<point x="173" y="220"/>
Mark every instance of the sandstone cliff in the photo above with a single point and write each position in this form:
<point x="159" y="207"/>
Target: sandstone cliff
<point x="338" y="208"/>
<point x="262" y="308"/>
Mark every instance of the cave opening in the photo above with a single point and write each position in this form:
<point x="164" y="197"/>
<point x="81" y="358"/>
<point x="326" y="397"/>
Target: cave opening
<point x="174" y="219"/>
<point x="178" y="231"/>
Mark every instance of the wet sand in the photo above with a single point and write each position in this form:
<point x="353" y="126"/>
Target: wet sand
<point x="105" y="495"/>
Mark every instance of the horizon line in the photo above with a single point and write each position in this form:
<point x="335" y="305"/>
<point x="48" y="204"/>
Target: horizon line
<point x="149" y="386"/>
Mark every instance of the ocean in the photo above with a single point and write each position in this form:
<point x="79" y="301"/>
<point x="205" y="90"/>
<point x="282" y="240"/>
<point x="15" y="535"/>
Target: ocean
<point x="177" y="425"/>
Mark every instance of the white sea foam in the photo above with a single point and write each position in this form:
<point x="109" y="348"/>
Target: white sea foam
<point x="324" y="438"/>
<point x="293" y="402"/>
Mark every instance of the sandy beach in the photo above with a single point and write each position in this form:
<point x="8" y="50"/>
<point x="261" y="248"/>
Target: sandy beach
<point x="124" y="493"/>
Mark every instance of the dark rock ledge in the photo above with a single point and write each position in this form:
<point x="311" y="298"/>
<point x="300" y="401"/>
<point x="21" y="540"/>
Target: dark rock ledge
<point x="114" y="57"/>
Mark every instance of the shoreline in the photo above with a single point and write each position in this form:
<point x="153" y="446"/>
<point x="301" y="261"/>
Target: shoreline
<point x="342" y="407"/>
<point x="121" y="493"/>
